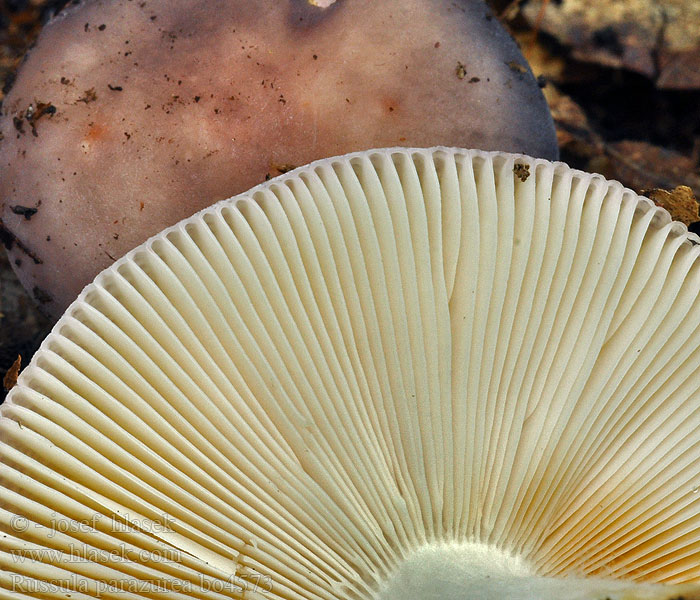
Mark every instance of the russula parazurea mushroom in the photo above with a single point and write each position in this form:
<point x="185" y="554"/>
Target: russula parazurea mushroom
<point x="145" y="113"/>
<point x="398" y="374"/>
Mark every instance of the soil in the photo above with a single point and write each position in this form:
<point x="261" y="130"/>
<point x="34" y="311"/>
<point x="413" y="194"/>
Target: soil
<point x="626" y="110"/>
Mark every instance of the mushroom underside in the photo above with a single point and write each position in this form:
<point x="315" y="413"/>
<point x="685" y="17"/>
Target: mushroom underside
<point x="395" y="374"/>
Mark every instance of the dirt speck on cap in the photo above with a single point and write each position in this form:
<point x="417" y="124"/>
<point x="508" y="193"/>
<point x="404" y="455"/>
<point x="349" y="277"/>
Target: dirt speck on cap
<point x="521" y="171"/>
<point x="460" y="71"/>
<point x="517" y="67"/>
<point x="282" y="168"/>
<point x="26" y="211"/>
<point x="88" y="96"/>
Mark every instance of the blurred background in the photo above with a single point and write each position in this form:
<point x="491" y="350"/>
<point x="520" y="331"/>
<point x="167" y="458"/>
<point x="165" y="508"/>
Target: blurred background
<point x="622" y="79"/>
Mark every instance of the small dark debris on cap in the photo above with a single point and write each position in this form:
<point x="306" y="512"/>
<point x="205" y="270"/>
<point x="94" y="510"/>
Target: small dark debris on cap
<point x="34" y="113"/>
<point x="115" y="88"/>
<point x="18" y="122"/>
<point x="460" y="71"/>
<point x="88" y="96"/>
<point x="516" y="67"/>
<point x="521" y="171"/>
<point x="283" y="167"/>
<point x="26" y="211"/>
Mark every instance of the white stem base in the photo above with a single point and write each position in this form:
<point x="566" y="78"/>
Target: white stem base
<point x="478" y="572"/>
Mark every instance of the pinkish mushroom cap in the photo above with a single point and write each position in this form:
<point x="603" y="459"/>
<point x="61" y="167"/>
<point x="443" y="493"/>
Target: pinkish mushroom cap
<point x="130" y="116"/>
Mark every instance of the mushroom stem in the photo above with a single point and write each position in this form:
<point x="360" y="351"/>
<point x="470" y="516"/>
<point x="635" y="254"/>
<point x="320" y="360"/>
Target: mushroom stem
<point x="472" y="570"/>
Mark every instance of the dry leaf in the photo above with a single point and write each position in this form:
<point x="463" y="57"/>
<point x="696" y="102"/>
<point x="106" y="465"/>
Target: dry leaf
<point x="643" y="166"/>
<point x="658" y="39"/>
<point x="680" y="202"/>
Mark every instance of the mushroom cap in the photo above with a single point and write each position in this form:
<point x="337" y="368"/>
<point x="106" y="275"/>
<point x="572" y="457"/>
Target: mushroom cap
<point x="382" y="375"/>
<point x="165" y="106"/>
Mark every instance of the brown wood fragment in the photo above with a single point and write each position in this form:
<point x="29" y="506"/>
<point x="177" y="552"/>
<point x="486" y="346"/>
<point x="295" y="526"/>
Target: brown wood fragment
<point x="10" y="379"/>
